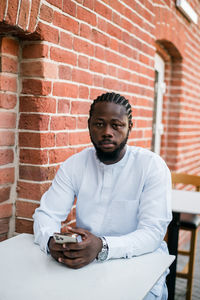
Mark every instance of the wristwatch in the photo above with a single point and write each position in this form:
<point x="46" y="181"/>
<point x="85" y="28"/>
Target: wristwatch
<point x="103" y="254"/>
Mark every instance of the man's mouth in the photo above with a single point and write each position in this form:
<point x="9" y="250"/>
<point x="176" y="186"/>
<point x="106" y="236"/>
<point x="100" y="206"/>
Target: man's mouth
<point x="106" y="144"/>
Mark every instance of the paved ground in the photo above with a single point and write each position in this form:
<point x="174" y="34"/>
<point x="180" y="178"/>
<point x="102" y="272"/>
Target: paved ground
<point x="181" y="283"/>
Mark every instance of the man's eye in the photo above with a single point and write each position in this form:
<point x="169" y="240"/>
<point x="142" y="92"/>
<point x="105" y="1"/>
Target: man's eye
<point x="99" y="124"/>
<point x="116" y="126"/>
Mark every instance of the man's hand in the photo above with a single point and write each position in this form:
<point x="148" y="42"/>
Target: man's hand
<point x="76" y="255"/>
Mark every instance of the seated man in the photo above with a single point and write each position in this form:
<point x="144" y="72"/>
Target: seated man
<point x="123" y="195"/>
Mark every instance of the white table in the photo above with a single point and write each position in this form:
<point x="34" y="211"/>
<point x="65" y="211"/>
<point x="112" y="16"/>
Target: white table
<point x="26" y="273"/>
<point x="182" y="202"/>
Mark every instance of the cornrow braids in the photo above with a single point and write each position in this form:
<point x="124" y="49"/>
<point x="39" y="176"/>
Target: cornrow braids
<point x="115" y="98"/>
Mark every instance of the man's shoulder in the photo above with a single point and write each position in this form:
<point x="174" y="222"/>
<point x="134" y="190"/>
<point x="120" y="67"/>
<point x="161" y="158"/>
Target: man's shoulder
<point x="144" y="155"/>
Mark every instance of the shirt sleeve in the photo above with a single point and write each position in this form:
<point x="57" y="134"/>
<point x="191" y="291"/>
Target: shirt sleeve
<point x="54" y="207"/>
<point x="154" y="215"/>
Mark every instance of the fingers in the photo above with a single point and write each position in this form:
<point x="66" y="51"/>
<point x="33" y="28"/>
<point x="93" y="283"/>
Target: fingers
<point x="75" y="263"/>
<point x="82" y="232"/>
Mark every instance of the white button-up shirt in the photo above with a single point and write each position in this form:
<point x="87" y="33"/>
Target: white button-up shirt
<point x="129" y="202"/>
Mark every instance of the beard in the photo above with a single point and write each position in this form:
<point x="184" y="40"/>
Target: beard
<point x="110" y="156"/>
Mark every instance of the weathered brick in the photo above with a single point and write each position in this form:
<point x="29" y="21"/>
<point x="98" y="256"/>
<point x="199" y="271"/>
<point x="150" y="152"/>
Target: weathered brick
<point x="8" y="65"/>
<point x="23" y="15"/>
<point x="80" y="107"/>
<point x="69" y="7"/>
<point x="36" y="87"/>
<point x="6" y="156"/>
<point x="86" y="16"/>
<point x="97" y="66"/>
<point x="83" y="46"/>
<point x="35" y="51"/>
<point x="37" y="157"/>
<point x="37" y="173"/>
<point x="37" y="104"/>
<point x="39" y="69"/>
<point x="25" y="209"/>
<point x="30" y="190"/>
<point x="46" y="13"/>
<point x="65" y="90"/>
<point x="83" y="92"/>
<point x="83" y="62"/>
<point x="7" y="120"/>
<point x="4" y="193"/>
<point x="62" y="139"/>
<point x="9" y="46"/>
<point x="5" y="210"/>
<point x="34" y="122"/>
<point x="63" y="56"/>
<point x="36" y="140"/>
<point x="24" y="226"/>
<point x="65" y="72"/>
<point x="66" y="22"/>
<point x="57" y="3"/>
<point x="82" y="76"/>
<point x="82" y="122"/>
<point x="78" y="138"/>
<point x="48" y="33"/>
<point x="7" y="101"/>
<point x="62" y="122"/>
<point x="63" y="106"/>
<point x="8" y="83"/>
<point x="66" y="40"/>
<point x="4" y="226"/>
<point x="59" y="155"/>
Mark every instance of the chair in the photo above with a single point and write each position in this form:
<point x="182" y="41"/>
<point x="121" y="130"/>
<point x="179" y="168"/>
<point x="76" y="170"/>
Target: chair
<point x="189" y="223"/>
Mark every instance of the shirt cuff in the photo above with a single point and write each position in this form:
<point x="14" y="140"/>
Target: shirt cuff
<point x="117" y="248"/>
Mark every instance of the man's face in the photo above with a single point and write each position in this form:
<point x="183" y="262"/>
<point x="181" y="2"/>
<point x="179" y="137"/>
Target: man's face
<point x="109" y="129"/>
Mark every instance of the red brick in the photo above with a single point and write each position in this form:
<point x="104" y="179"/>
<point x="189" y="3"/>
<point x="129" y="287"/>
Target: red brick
<point x="57" y="3"/>
<point x="12" y="12"/>
<point x="36" y="157"/>
<point x="8" y="83"/>
<point x="46" y="13"/>
<point x="34" y="122"/>
<point x="36" y="87"/>
<point x="7" y="120"/>
<point x="63" y="106"/>
<point x="86" y="16"/>
<point x="78" y="138"/>
<point x="63" y="56"/>
<point x="25" y="209"/>
<point x="24" y="226"/>
<point x="114" y="31"/>
<point x="99" y="53"/>
<point x="62" y="89"/>
<point x="37" y="104"/>
<point x="69" y="7"/>
<point x="82" y="122"/>
<point x="98" y="67"/>
<point x="103" y="10"/>
<point x="4" y="226"/>
<point x="111" y="84"/>
<point x="35" y="51"/>
<point x="85" y="31"/>
<point x="7" y="138"/>
<point x="62" y="139"/>
<point x="30" y="190"/>
<point x="83" y="62"/>
<point x="82" y="76"/>
<point x="66" y="23"/>
<point x="89" y="4"/>
<point x="65" y="72"/>
<point x="4" y="193"/>
<point x="7" y="101"/>
<point x="23" y="15"/>
<point x="66" y="40"/>
<point x="94" y="93"/>
<point x="83" y="92"/>
<point x="80" y="107"/>
<point x="35" y="5"/>
<point x="36" y="140"/>
<point x="39" y="69"/>
<point x="5" y="210"/>
<point x="3" y="8"/>
<point x="6" y="156"/>
<point x="37" y="173"/>
<point x="59" y="155"/>
<point x="9" y="46"/>
<point x="100" y="38"/>
<point x="83" y="46"/>
<point x="9" y="65"/>
<point x="48" y="33"/>
<point x="62" y="122"/>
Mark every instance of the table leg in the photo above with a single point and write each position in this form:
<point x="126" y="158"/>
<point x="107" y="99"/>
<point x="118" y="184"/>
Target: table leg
<point x="173" y="233"/>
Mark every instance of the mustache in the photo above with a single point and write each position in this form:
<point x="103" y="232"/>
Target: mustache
<point x="106" y="141"/>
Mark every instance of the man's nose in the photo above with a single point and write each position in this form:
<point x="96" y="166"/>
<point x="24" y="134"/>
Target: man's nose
<point x="108" y="131"/>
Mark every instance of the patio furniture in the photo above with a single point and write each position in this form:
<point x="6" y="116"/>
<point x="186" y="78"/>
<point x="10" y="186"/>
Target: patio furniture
<point x="189" y="223"/>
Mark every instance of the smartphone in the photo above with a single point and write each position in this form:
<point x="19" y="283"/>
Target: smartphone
<point x="65" y="238"/>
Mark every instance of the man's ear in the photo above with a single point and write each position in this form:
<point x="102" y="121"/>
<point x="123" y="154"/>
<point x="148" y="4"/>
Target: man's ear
<point x="130" y="126"/>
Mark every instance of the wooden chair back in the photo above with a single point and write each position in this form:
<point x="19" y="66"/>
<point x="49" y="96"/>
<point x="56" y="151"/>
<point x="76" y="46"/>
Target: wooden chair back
<point x="186" y="179"/>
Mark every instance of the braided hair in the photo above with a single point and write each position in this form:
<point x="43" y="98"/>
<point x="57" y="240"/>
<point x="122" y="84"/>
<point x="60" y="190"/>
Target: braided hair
<point x="115" y="98"/>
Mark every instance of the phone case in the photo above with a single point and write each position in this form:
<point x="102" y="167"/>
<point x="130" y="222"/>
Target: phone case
<point x="61" y="238"/>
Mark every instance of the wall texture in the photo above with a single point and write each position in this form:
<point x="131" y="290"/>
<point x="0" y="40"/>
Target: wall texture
<point x="56" y="56"/>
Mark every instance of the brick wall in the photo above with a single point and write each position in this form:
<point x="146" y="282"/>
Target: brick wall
<point x="67" y="53"/>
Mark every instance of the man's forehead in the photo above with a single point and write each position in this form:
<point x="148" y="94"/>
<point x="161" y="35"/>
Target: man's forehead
<point x="109" y="108"/>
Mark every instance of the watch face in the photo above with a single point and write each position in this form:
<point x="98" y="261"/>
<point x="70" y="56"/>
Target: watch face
<point x="103" y="254"/>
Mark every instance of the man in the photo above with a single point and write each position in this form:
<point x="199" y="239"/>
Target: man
<point x="123" y="195"/>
